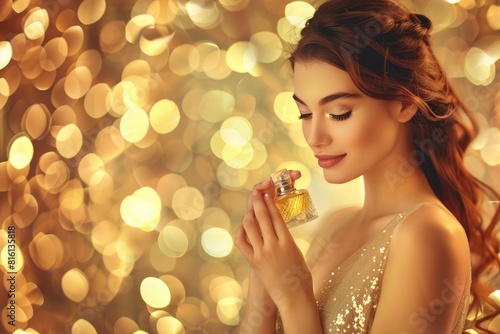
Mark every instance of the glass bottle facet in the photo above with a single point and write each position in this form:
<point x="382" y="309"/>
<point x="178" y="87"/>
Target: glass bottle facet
<point x="296" y="206"/>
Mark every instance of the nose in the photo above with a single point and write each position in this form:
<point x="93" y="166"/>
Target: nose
<point x="316" y="132"/>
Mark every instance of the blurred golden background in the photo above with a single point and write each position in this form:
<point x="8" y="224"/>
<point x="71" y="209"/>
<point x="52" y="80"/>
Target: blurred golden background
<point x="132" y="132"/>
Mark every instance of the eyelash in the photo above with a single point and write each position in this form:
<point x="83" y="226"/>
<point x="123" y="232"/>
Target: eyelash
<point x="341" y="117"/>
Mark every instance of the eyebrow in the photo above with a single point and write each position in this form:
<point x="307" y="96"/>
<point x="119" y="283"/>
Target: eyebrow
<point x="330" y="98"/>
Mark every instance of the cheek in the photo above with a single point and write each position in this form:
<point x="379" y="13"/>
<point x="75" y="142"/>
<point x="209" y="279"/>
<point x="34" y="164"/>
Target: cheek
<point x="371" y="131"/>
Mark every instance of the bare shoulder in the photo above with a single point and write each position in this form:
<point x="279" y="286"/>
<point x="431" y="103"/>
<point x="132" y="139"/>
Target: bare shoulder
<point x="430" y="225"/>
<point x="428" y="264"/>
<point x="432" y="245"/>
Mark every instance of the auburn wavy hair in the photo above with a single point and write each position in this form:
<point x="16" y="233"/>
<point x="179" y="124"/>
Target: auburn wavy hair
<point x="387" y="52"/>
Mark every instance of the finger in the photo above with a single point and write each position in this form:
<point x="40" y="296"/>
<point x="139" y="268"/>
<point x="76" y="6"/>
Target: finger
<point x="280" y="228"/>
<point x="252" y="230"/>
<point x="241" y="242"/>
<point x="262" y="216"/>
<point x="266" y="186"/>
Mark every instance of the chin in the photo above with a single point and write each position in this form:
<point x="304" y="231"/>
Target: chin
<point x="338" y="177"/>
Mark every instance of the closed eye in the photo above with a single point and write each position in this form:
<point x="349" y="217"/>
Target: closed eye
<point x="341" y="117"/>
<point x="305" y="116"/>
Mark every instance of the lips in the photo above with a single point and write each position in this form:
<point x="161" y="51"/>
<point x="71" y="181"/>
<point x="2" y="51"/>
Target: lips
<point x="326" y="161"/>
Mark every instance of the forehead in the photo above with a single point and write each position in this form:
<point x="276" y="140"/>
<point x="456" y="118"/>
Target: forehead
<point x="315" y="80"/>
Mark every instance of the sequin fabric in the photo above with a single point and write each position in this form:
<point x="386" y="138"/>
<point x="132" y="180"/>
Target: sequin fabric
<point x="348" y="298"/>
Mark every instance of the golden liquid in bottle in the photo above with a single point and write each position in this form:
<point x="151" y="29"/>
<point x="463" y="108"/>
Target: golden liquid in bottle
<point x="296" y="207"/>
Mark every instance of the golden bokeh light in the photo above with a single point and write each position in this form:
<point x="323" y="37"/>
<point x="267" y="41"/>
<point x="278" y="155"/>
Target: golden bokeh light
<point x="89" y="165"/>
<point x="177" y="289"/>
<point x="25" y="210"/>
<point x="217" y="242"/>
<point x="184" y="59"/>
<point x="155" y="292"/>
<point x="53" y="54"/>
<point x="297" y="13"/>
<point x="82" y="326"/>
<point x="234" y="5"/>
<point x="242" y="57"/>
<point x="91" y="60"/>
<point x="228" y="310"/>
<point x="170" y="324"/>
<point x="109" y="143"/>
<point x="490" y="153"/>
<point x="47" y="251"/>
<point x="154" y="42"/>
<point x="134" y="131"/>
<point x="54" y="176"/>
<point x="493" y="17"/>
<point x="285" y="108"/>
<point x="134" y="125"/>
<point x="479" y="67"/>
<point x="135" y="26"/>
<point x="69" y="141"/>
<point x="287" y="31"/>
<point x="203" y="14"/>
<point x="78" y="82"/>
<point x="164" y="116"/>
<point x="74" y="38"/>
<point x="142" y="209"/>
<point x="188" y="203"/>
<point x="21" y="152"/>
<point x="97" y="100"/>
<point x="230" y="178"/>
<point x="36" y="121"/>
<point x="125" y="325"/>
<point x="90" y="11"/>
<point x="269" y="46"/>
<point x="4" y="92"/>
<point x="103" y="234"/>
<point x="216" y="105"/>
<point x="36" y="22"/>
<point x="238" y="157"/>
<point x="75" y="284"/>
<point x="112" y="37"/>
<point x="173" y="241"/>
<point x="5" y="53"/>
<point x="236" y="131"/>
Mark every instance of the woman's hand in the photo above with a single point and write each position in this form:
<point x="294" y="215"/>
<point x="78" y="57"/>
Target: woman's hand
<point x="265" y="241"/>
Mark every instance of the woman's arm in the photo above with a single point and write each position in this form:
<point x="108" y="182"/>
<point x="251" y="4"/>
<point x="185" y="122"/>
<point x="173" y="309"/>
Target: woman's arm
<point x="425" y="276"/>
<point x="260" y="311"/>
<point x="300" y="314"/>
<point x="268" y="246"/>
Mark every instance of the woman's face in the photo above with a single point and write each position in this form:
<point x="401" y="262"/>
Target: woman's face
<point x="350" y="133"/>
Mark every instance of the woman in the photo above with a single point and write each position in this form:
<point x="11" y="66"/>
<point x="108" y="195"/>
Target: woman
<point x="375" y="102"/>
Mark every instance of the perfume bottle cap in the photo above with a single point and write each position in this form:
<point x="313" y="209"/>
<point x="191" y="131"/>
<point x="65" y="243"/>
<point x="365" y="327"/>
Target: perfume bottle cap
<point x="282" y="181"/>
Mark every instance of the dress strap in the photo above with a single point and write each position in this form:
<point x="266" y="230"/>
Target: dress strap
<point x="408" y="211"/>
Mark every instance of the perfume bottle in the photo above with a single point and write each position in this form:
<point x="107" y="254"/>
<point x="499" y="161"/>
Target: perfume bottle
<point x="295" y="205"/>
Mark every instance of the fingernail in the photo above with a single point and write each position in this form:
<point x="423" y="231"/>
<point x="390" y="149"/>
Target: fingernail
<point x="267" y="197"/>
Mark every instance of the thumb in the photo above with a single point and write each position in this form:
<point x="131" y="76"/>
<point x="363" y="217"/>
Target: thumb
<point x="295" y="175"/>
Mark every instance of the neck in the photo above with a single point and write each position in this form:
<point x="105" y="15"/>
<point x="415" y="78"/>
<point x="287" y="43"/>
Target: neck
<point x="399" y="186"/>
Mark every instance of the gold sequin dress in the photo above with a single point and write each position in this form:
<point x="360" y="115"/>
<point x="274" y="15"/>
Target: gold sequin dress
<point x="348" y="299"/>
